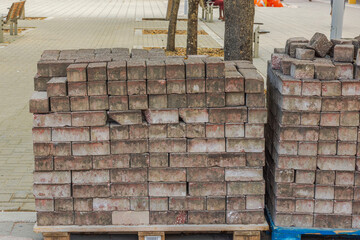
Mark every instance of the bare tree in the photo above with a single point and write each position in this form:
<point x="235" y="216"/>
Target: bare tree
<point x="168" y="10"/>
<point x="172" y="25"/>
<point x="239" y="21"/>
<point x="192" y="28"/>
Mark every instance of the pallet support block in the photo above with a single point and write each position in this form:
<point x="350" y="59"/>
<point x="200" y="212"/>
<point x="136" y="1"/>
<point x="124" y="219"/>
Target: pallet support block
<point x="143" y="235"/>
<point x="56" y="236"/>
<point x="246" y="235"/>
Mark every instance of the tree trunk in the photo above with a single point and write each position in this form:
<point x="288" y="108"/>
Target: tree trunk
<point x="168" y="10"/>
<point x="239" y="21"/>
<point x="191" y="45"/>
<point x="172" y="25"/>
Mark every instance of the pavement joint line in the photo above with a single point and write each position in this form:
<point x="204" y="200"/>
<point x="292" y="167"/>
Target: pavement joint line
<point x="212" y="34"/>
<point x="346" y="5"/>
<point x="26" y="217"/>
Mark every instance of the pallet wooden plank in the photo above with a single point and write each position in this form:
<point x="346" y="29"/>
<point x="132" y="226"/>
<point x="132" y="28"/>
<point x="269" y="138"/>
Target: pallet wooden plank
<point x="152" y="228"/>
<point x="142" y="235"/>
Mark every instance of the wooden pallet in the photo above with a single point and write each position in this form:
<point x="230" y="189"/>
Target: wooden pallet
<point x="240" y="232"/>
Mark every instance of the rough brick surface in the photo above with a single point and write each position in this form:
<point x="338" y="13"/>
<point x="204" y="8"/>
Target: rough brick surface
<point x="312" y="136"/>
<point x="145" y="139"/>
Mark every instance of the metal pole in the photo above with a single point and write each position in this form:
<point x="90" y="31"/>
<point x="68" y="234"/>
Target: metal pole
<point x="337" y="19"/>
<point x="11" y="28"/>
<point x="15" y="27"/>
<point x="1" y="30"/>
<point x="185" y="7"/>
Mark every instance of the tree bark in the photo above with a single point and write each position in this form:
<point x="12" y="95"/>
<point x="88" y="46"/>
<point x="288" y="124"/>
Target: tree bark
<point x="168" y="10"/>
<point x="239" y="21"/>
<point x="191" y="44"/>
<point x="172" y="25"/>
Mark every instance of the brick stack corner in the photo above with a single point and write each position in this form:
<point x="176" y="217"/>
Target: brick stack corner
<point x="145" y="139"/>
<point x="312" y="136"/>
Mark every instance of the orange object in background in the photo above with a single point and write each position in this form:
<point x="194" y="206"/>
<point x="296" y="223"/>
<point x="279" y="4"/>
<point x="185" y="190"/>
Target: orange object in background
<point x="274" y="3"/>
<point x="268" y="3"/>
<point x="260" y="3"/>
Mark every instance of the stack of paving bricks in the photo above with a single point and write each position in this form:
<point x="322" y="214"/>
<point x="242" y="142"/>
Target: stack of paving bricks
<point x="147" y="139"/>
<point x="312" y="135"/>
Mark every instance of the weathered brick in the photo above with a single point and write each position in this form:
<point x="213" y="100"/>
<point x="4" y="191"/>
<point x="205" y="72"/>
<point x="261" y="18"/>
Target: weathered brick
<point x="167" y="189"/>
<point x="139" y="160"/>
<point x="304" y="54"/>
<point x="96" y="88"/>
<point x="156" y="87"/>
<point x="158" y="101"/>
<point x="247" y="174"/>
<point x="93" y="218"/>
<point x="320" y="44"/>
<point x="336" y="163"/>
<point x="343" y="53"/>
<point x="195" y="68"/>
<point x="191" y="115"/>
<point x="56" y="87"/>
<point x="245" y="188"/>
<point x="136" y="87"/>
<point x="77" y="72"/>
<point x="162" y="116"/>
<point x="302" y="70"/>
<point x="79" y="104"/>
<point x="138" y="102"/>
<point x="111" y="161"/>
<point x="167" y="175"/>
<point x="216" y="204"/>
<point x="235" y="203"/>
<point x="325" y="71"/>
<point x="55" y="218"/>
<point x="206" y="145"/>
<point x="245" y="145"/>
<point x="167" y="145"/>
<point x="88" y="118"/>
<point x="70" y="134"/>
<point x="176" y="101"/>
<point x="175" y="69"/>
<point x="91" y="148"/>
<point x="41" y="134"/>
<point x="39" y="103"/>
<point x="206" y="217"/>
<point x="331" y="88"/>
<point x="234" y="82"/>
<point x="175" y="86"/>
<point x="130" y="218"/>
<point x="51" y="191"/>
<point x="155" y="70"/>
<point x="96" y="72"/>
<point x="116" y="71"/>
<point x="207" y="189"/>
<point x="72" y="163"/>
<point x="117" y="88"/>
<point x="129" y="146"/>
<point x="332" y="221"/>
<point x="129" y="189"/>
<point x="44" y="163"/>
<point x="252" y="217"/>
<point x="228" y="115"/>
<point x="344" y="70"/>
<point x="126" y="117"/>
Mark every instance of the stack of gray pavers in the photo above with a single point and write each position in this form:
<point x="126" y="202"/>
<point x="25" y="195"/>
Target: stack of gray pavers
<point x="312" y="135"/>
<point x="142" y="139"/>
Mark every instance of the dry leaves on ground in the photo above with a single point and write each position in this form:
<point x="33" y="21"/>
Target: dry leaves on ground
<point x="164" y="31"/>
